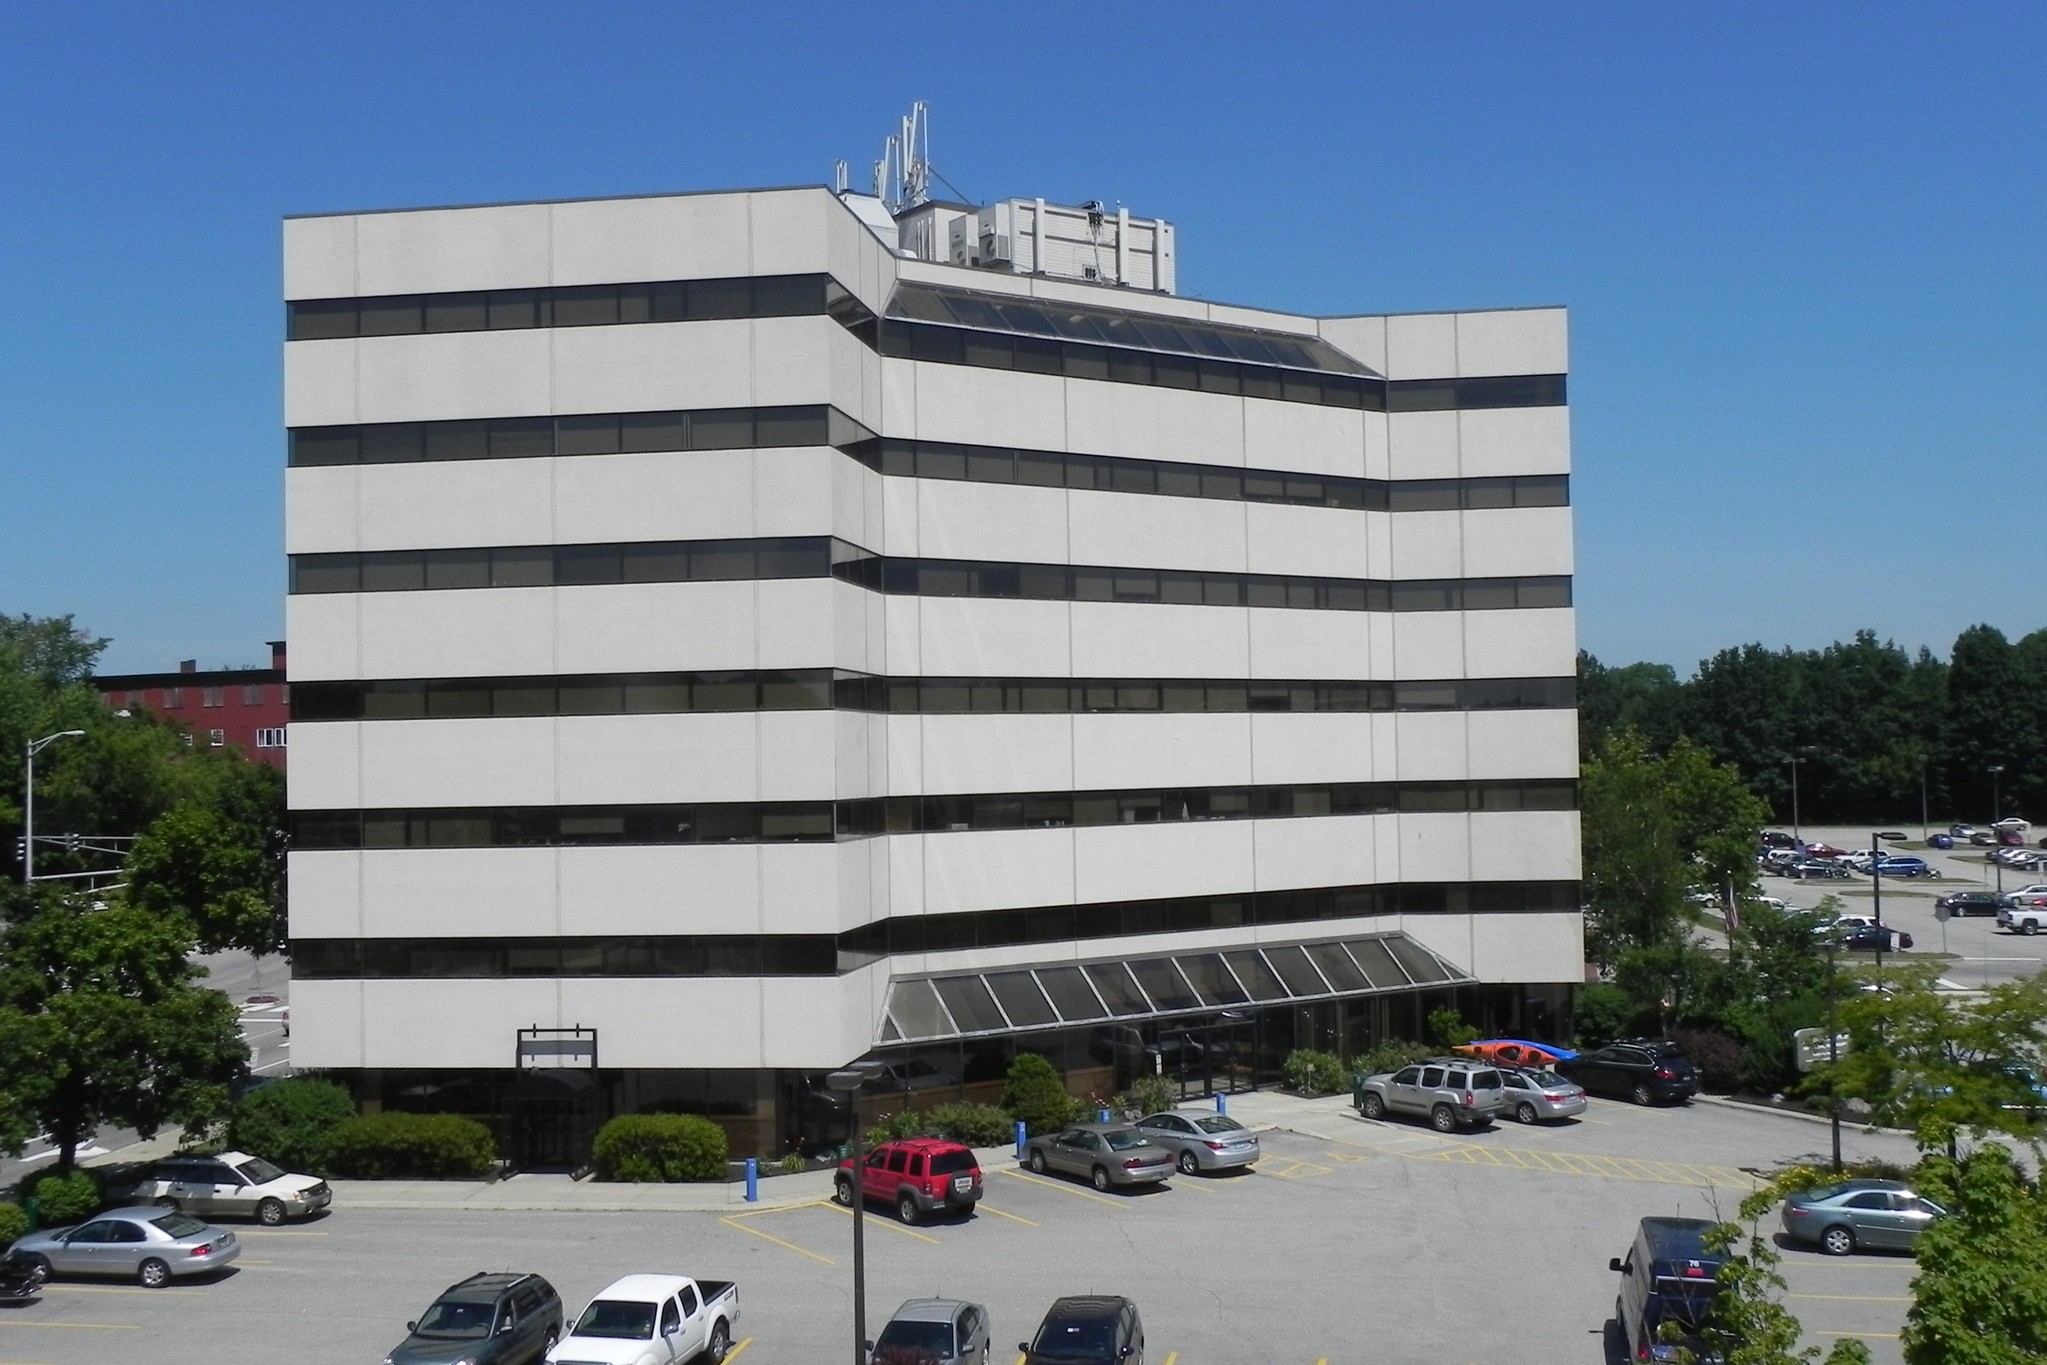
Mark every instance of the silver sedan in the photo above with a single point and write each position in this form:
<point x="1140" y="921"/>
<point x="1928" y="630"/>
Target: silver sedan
<point x="1540" y="1096"/>
<point x="149" y="1245"/>
<point x="1107" y="1156"/>
<point x="1202" y="1142"/>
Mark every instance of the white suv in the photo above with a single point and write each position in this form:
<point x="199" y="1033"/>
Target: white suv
<point x="233" y="1183"/>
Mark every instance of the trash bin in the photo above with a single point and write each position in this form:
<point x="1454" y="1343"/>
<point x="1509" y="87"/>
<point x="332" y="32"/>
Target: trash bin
<point x="34" y="1209"/>
<point x="1357" y="1090"/>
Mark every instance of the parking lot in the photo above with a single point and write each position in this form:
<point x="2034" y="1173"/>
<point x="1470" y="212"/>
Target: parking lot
<point x="1351" y="1241"/>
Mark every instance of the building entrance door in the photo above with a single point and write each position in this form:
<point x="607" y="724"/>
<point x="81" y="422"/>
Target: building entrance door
<point x="1209" y="1058"/>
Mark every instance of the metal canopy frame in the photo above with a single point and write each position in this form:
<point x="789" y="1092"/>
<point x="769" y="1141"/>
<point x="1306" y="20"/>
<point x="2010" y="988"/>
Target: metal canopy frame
<point x="1023" y="999"/>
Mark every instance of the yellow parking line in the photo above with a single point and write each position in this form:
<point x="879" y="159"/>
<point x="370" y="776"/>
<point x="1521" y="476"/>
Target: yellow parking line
<point x="732" y="1222"/>
<point x="279" y="1232"/>
<point x="169" y="1291"/>
<point x="1004" y="1213"/>
<point x="1049" y="1183"/>
<point x="733" y="1354"/>
<point x="78" y="1326"/>
<point x="1192" y="1182"/>
<point x="1855" y="1298"/>
<point x="1171" y="1357"/>
<point x="891" y="1226"/>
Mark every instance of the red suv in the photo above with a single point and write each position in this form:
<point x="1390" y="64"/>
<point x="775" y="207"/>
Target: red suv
<point x="920" y="1176"/>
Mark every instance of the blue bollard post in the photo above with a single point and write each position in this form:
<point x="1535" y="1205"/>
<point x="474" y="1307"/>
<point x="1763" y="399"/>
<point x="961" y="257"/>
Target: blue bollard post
<point x="1019" y="1139"/>
<point x="1102" y="1114"/>
<point x="753" y="1181"/>
<point x="1222" y="1103"/>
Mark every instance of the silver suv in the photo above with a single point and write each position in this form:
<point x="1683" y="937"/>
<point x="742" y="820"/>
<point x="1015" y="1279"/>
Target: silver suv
<point x="1453" y="1092"/>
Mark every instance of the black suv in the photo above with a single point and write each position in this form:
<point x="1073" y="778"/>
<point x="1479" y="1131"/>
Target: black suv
<point x="491" y="1318"/>
<point x="1671" y="1279"/>
<point x="1088" y="1330"/>
<point x="1647" y="1071"/>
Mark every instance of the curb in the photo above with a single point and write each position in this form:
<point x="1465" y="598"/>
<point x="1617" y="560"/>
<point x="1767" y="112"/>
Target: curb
<point x="1847" y="1121"/>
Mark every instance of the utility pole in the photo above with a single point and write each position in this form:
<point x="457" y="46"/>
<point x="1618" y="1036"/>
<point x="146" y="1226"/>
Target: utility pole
<point x="28" y="801"/>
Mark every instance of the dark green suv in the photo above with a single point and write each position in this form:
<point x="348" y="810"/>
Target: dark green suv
<point x="492" y="1318"/>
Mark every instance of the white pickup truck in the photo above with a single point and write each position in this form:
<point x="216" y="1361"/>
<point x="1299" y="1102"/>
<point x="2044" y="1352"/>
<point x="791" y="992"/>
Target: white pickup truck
<point x="653" y="1320"/>
<point x="2023" y="914"/>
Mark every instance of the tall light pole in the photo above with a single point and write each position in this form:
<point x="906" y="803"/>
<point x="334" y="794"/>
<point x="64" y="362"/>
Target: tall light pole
<point x="1833" y="1058"/>
<point x="1925" y="830"/>
<point x="1794" y="761"/>
<point x="1995" y="814"/>
<point x="1876" y="889"/>
<point x="28" y="801"/>
<point x="849" y="1083"/>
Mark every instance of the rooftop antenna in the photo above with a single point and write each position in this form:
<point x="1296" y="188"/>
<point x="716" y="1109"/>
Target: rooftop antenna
<point x="839" y="176"/>
<point x="902" y="178"/>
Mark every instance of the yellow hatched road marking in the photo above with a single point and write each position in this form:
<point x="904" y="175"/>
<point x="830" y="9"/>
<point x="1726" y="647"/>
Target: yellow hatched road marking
<point x="732" y="1221"/>
<point x="1004" y="1213"/>
<point x="1047" y="1182"/>
<point x="883" y="1222"/>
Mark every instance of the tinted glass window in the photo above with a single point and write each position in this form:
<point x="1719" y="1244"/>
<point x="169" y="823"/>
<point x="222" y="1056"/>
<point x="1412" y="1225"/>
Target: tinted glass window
<point x="1432" y="1076"/>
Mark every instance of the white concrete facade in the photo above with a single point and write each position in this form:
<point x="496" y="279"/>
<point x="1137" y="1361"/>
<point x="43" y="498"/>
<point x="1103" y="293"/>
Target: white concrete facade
<point x="836" y="888"/>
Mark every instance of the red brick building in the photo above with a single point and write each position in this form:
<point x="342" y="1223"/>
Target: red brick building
<point x="243" y="708"/>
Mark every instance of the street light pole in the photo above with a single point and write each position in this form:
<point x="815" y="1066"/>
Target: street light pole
<point x="1925" y="829"/>
<point x="1876" y="889"/>
<point x="1995" y="814"/>
<point x="1833" y="1059"/>
<point x="28" y="801"/>
<point x="849" y="1083"/>
<point x="1794" y="761"/>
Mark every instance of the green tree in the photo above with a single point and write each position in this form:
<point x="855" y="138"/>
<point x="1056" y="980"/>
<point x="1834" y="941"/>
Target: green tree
<point x="218" y="860"/>
<point x="1643" y="697"/>
<point x="1980" y="1297"/>
<point x="107" y="1027"/>
<point x="1749" y="1324"/>
<point x="1035" y="1094"/>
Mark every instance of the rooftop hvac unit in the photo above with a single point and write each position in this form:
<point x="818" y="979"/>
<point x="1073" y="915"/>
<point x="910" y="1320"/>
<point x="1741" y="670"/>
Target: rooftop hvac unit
<point x="995" y="248"/>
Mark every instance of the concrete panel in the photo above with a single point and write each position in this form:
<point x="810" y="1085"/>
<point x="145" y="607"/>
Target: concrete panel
<point x="1153" y="424"/>
<point x="1289" y="644"/>
<point x="329" y="1032"/>
<point x="1313" y="747"/>
<point x="1304" y="436"/>
<point x="795" y="755"/>
<point x="687" y="889"/>
<point x="1432" y="747"/>
<point x="1522" y="845"/>
<point x="1363" y="338"/>
<point x="452" y="375"/>
<point x="997" y="869"/>
<point x="1524" y="948"/>
<point x="989" y="407"/>
<point x="1436" y="848"/>
<point x="458" y="892"/>
<point x="975" y="753"/>
<point x="991" y="521"/>
<point x="326" y="892"/>
<point x="436" y="250"/>
<point x="787" y="230"/>
<point x="634" y="626"/>
<point x="669" y="237"/>
<point x="482" y="762"/>
<point x="1139" y="862"/>
<point x="1336" y="851"/>
<point x="325" y="636"/>
<point x="1143" y="640"/>
<point x="1422" y="445"/>
<point x="1513" y="341"/>
<point x="969" y="637"/>
<point x="1172" y="750"/>
<point x="320" y="510"/>
<point x="456" y="505"/>
<point x="1430" y="644"/>
<point x="320" y="383"/>
<point x="799" y="889"/>
<point x="1153" y="532"/>
<point x="1506" y="542"/>
<point x="329" y="777"/>
<point x="694" y="495"/>
<point x="655" y="759"/>
<point x="797" y="618"/>
<point x="636" y="1019"/>
<point x="1427" y="544"/>
<point x="652" y="366"/>
<point x="408" y="1024"/>
<point x="792" y="359"/>
<point x="319" y="258"/>
<point x="1318" y="541"/>
<point x="1506" y="744"/>
<point x="1421" y="346"/>
<point x="1497" y="441"/>
<point x="1539" y="642"/>
<point x="471" y="633"/>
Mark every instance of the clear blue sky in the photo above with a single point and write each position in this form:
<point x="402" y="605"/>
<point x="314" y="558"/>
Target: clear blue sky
<point x="1803" y="248"/>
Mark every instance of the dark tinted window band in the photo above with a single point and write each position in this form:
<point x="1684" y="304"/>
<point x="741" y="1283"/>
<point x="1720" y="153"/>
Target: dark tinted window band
<point x="822" y="821"/>
<point x="593" y="305"/>
<point x="542" y="566"/>
<point x="823" y="955"/>
<point x="597" y="433"/>
<point x="818" y="689"/>
<point x="1114" y="474"/>
<point x="1081" y="360"/>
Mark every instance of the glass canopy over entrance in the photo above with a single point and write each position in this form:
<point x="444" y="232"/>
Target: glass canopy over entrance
<point x="1056" y="995"/>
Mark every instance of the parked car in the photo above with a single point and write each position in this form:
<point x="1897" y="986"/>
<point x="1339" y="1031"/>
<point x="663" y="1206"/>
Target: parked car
<point x="1087" y="1330"/>
<point x="1983" y="838"/>
<point x="1962" y="831"/>
<point x="2024" y="859"/>
<point x="1852" y="1214"/>
<point x="1452" y="1092"/>
<point x="1107" y="1155"/>
<point x="933" y="1332"/>
<point x="1941" y="841"/>
<point x="920" y="1176"/>
<point x="1823" y="851"/>
<point x="491" y="1318"/>
<point x="652" y="1320"/>
<point x="1898" y="865"/>
<point x="1963" y="904"/>
<point x="2025" y="893"/>
<point x="149" y="1245"/>
<point x="1202" y="1142"/>
<point x="1777" y="859"/>
<point x="233" y="1184"/>
<point x="1643" y="1070"/>
<point x="1777" y="838"/>
<point x="1535" y="1095"/>
<point x="1872" y="938"/>
<point x="2022" y="916"/>
<point x="1515" y="1051"/>
<point x="1814" y="869"/>
<point x="1668" y="1277"/>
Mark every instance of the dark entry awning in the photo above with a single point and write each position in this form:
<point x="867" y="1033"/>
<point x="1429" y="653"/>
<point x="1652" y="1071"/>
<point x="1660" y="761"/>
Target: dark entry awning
<point x="1056" y="995"/>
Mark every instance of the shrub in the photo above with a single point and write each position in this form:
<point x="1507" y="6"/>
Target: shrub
<point x="1148" y="1095"/>
<point x="1390" y="1055"/>
<point x="1719" y="1058"/>
<point x="292" y="1123"/>
<point x="903" y="1123"/>
<point x="1314" y="1073"/>
<point x="432" y="1146"/>
<point x="1035" y="1094"/>
<point x="1447" y="1028"/>
<point x="650" y="1147"/>
<point x="1604" y="1012"/>
<point x="13" y="1224"/>
<point x="67" y="1198"/>
<point x="976" y="1125"/>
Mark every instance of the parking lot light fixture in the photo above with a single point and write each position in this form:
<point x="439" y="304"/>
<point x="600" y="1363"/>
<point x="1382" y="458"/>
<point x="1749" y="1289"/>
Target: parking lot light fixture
<point x="1996" y="813"/>
<point x="1833" y="1060"/>
<point x="1876" y="886"/>
<point x="1794" y="760"/>
<point x="849" y="1083"/>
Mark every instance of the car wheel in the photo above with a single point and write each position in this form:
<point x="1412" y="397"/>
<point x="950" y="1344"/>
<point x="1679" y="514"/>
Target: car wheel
<point x="2032" y="928"/>
<point x="1036" y="1163"/>
<point x="842" y="1193"/>
<point x="1525" y="1112"/>
<point x="270" y="1212"/>
<point x="1642" y="1094"/>
<point x="720" y="1343"/>
<point x="1101" y="1178"/>
<point x="906" y="1209"/>
<point x="1443" y="1119"/>
<point x="167" y="1203"/>
<point x="546" y="1345"/>
<point x="1374" y="1107"/>
<point x="1188" y="1165"/>
<point x="39" y="1262"/>
<point x="153" y="1274"/>
<point x="1837" y="1241"/>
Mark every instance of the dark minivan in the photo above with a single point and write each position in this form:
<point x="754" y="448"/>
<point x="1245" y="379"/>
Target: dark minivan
<point x="1669" y="1278"/>
<point x="1647" y="1071"/>
<point x="491" y="1318"/>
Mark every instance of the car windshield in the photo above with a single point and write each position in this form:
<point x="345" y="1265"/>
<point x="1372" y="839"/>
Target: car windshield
<point x="1071" y="1340"/>
<point x="1219" y="1123"/>
<point x="178" y="1225"/>
<point x="1125" y="1140"/>
<point x="913" y="1341"/>
<point x="456" y="1319"/>
<point x="615" y="1318"/>
<point x="258" y="1171"/>
<point x="950" y="1163"/>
